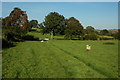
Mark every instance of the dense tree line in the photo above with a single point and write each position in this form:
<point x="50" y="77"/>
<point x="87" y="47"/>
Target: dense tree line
<point x="16" y="25"/>
<point x="72" y="29"/>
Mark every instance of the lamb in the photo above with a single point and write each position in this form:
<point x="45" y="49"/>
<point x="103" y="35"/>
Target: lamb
<point x="42" y="41"/>
<point x="46" y="39"/>
<point x="88" y="47"/>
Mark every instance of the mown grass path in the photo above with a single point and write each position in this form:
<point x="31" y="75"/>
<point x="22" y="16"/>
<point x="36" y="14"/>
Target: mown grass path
<point x="61" y="59"/>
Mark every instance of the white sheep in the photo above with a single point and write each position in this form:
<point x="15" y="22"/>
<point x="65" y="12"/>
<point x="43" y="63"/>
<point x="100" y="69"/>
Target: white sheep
<point x="42" y="41"/>
<point x="46" y="39"/>
<point x="88" y="47"/>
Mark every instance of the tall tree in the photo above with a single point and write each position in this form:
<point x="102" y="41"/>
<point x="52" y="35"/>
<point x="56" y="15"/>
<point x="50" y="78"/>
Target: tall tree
<point x="54" y="23"/>
<point x="15" y="25"/>
<point x="90" y="33"/>
<point x="18" y="18"/>
<point x="73" y="29"/>
<point x="90" y="29"/>
<point x="43" y="29"/>
<point x="33" y="23"/>
<point x="104" y="32"/>
<point x="117" y="35"/>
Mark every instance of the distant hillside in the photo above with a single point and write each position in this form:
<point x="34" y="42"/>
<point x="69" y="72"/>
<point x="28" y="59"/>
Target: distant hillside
<point x="114" y="30"/>
<point x="111" y="30"/>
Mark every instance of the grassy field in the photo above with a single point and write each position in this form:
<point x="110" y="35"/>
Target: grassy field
<point x="61" y="59"/>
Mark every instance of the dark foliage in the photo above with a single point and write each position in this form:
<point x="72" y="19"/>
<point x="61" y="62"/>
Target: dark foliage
<point x="106" y="38"/>
<point x="30" y="38"/>
<point x="17" y="18"/>
<point x="73" y="29"/>
<point x="90" y="37"/>
<point x="13" y="33"/>
<point x="109" y="43"/>
<point x="7" y="44"/>
<point x="117" y="35"/>
<point x="15" y="26"/>
<point x="33" y="23"/>
<point x="104" y="32"/>
<point x="54" y="23"/>
<point x="90" y="30"/>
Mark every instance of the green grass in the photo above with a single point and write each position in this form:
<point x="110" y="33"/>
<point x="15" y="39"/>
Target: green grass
<point x="36" y="34"/>
<point x="61" y="59"/>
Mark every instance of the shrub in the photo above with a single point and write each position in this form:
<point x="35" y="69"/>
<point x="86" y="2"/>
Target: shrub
<point x="6" y="44"/>
<point x="90" y="37"/>
<point x="106" y="38"/>
<point x="117" y="35"/>
<point x="68" y="37"/>
<point x="30" y="38"/>
<point x="109" y="43"/>
<point x="13" y="33"/>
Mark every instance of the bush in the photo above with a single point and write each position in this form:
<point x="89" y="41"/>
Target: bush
<point x="109" y="43"/>
<point x="68" y="37"/>
<point x="106" y="38"/>
<point x="6" y="44"/>
<point x="13" y="33"/>
<point x="90" y="37"/>
<point x="30" y="38"/>
<point x="117" y="35"/>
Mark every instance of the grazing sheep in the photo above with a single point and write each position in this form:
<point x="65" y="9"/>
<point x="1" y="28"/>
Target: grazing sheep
<point x="42" y="41"/>
<point x="88" y="47"/>
<point x="46" y="39"/>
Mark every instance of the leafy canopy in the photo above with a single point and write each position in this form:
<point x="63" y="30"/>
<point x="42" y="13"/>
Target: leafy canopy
<point x="54" y="22"/>
<point x="74" y="28"/>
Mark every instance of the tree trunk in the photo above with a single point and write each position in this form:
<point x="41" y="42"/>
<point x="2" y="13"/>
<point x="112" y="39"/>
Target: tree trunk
<point x="70" y="37"/>
<point x="51" y="34"/>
